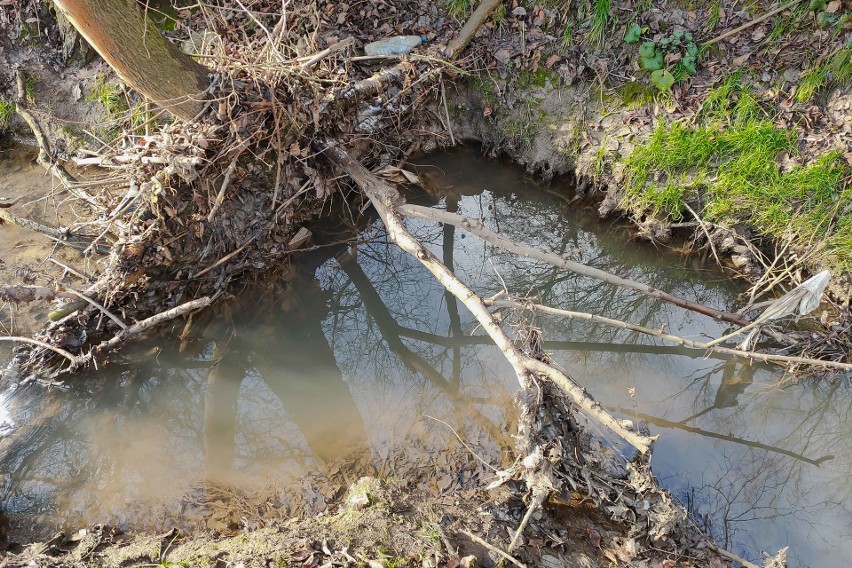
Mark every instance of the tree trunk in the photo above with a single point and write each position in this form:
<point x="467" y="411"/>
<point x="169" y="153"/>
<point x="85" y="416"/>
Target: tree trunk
<point x="141" y="56"/>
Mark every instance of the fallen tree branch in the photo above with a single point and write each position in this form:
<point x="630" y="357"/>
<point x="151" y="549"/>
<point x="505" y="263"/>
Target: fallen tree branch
<point x="141" y="326"/>
<point x="386" y="199"/>
<point x="51" y="232"/>
<point x="74" y="359"/>
<point x="470" y="27"/>
<point x="501" y="301"/>
<point x="478" y="228"/>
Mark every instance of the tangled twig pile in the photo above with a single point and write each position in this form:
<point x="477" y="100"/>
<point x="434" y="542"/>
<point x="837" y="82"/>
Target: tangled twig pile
<point x="216" y="201"/>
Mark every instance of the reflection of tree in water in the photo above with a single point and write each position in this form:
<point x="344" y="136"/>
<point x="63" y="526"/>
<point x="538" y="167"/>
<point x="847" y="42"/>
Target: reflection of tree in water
<point x="356" y="361"/>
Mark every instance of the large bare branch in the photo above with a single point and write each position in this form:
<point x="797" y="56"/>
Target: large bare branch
<point x="478" y="228"/>
<point x="502" y="301"/>
<point x="386" y="199"/>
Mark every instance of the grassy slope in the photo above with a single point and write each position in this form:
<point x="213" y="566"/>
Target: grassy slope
<point x="730" y="168"/>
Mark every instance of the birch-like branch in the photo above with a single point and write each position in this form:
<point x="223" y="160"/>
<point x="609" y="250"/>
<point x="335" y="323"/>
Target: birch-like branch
<point x="503" y="301"/>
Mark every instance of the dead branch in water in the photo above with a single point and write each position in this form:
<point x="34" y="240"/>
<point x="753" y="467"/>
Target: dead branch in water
<point x="136" y="329"/>
<point x="503" y="301"/>
<point x="478" y="228"/>
<point x="386" y="200"/>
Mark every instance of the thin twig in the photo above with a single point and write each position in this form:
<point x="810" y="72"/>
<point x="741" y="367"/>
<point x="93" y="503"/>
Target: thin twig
<point x="75" y="360"/>
<point x="106" y="312"/>
<point x="494" y="549"/>
<point x="502" y="302"/>
<point x="731" y="556"/>
<point x="485" y="463"/>
<point x="477" y="227"/>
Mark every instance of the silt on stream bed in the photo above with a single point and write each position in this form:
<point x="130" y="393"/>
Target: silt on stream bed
<point x="326" y="383"/>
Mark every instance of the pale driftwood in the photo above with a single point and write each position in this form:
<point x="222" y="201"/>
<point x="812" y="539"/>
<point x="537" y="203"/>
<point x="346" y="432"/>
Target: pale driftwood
<point x="106" y="161"/>
<point x="45" y="155"/>
<point x="477" y="227"/>
<point x="51" y="232"/>
<point x="494" y="549"/>
<point x="386" y="199"/>
<point x="470" y="27"/>
<point x="501" y="301"/>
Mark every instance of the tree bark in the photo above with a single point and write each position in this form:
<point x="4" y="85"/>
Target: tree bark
<point x="141" y="56"/>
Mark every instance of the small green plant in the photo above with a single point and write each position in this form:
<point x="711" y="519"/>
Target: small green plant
<point x="714" y="16"/>
<point x="679" y="48"/>
<point x="500" y="14"/>
<point x="7" y="109"/>
<point x="30" y="89"/>
<point x="840" y="66"/>
<point x="458" y="8"/>
<point x="811" y="82"/>
<point x="108" y="95"/>
<point x="567" y="35"/>
<point x="600" y="21"/>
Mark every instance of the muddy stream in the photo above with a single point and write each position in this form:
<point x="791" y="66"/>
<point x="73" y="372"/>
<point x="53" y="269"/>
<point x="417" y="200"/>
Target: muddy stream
<point x="365" y="368"/>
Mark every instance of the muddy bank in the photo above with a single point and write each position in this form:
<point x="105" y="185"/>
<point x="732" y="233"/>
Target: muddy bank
<point x="378" y="524"/>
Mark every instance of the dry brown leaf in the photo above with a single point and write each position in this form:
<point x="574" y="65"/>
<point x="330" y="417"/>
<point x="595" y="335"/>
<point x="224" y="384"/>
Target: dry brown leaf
<point x="741" y="59"/>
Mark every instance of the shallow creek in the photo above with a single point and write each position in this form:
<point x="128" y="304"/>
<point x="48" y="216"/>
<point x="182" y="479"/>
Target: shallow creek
<point x="364" y="365"/>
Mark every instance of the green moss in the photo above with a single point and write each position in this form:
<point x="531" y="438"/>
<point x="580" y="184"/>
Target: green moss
<point x="730" y="164"/>
<point x="108" y="95"/>
<point x="541" y="77"/>
<point x="635" y="94"/>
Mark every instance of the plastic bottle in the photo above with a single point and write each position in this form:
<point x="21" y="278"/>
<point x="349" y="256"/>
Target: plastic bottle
<point x="397" y="45"/>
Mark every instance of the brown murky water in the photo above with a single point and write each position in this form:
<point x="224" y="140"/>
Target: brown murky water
<point x="366" y="366"/>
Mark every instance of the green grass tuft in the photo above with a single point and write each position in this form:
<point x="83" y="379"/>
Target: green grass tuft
<point x="458" y="9"/>
<point x="7" y="109"/>
<point x="731" y="165"/>
<point x="600" y="22"/>
<point x="811" y="82"/>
